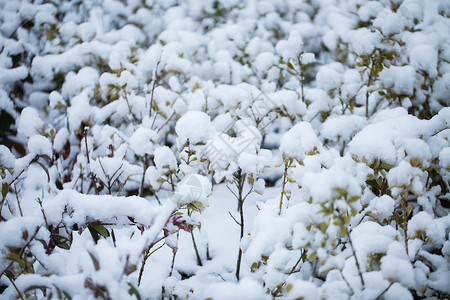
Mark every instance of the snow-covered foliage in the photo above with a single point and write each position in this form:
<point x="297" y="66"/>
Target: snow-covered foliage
<point x="225" y="149"/>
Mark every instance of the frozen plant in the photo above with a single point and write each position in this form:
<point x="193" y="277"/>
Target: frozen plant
<point x="198" y="149"/>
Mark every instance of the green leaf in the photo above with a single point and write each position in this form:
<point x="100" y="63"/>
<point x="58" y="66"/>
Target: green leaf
<point x="338" y="222"/>
<point x="375" y="164"/>
<point x="5" y="189"/>
<point x="290" y="66"/>
<point x="14" y="257"/>
<point x="341" y="191"/>
<point x="344" y="231"/>
<point x="25" y="235"/>
<point x="95" y="261"/>
<point x="347" y="219"/>
<point x="102" y="230"/>
<point x="380" y="182"/>
<point x="255" y="266"/>
<point x="131" y="269"/>
<point x="405" y="195"/>
<point x="251" y="180"/>
<point x="353" y="199"/>
<point x="34" y="287"/>
<point x="415" y="162"/>
<point x="133" y="291"/>
<point x="409" y="210"/>
<point x="197" y="205"/>
<point x="386" y="166"/>
<point x="22" y="264"/>
<point x="373" y="183"/>
<point x="323" y="227"/>
<point x="58" y="291"/>
<point x="94" y="234"/>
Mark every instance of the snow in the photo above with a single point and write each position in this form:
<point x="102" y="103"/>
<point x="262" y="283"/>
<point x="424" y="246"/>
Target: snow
<point x="87" y="77"/>
<point x="29" y="122"/>
<point x="328" y="78"/>
<point x="270" y="224"/>
<point x="245" y="289"/>
<point x="403" y="174"/>
<point x="397" y="291"/>
<point x="259" y="186"/>
<point x="370" y="238"/>
<point x="80" y="110"/>
<point x="195" y="127"/>
<point x="15" y="227"/>
<point x="444" y="157"/>
<point x="412" y="9"/>
<point x="307" y="58"/>
<point x="424" y="222"/>
<point x="369" y="10"/>
<point x="84" y="207"/>
<point x="289" y="100"/>
<point x="143" y="141"/>
<point x="342" y="126"/>
<point x="332" y="178"/>
<point x="326" y="122"/>
<point x="303" y="289"/>
<point x="39" y="145"/>
<point x="291" y="48"/>
<point x="424" y="57"/>
<point x="164" y="159"/>
<point x="38" y="99"/>
<point x="376" y="140"/>
<point x="6" y="104"/>
<point x="51" y="64"/>
<point x="7" y="159"/>
<point x="364" y="41"/>
<point x="397" y="269"/>
<point x="400" y="79"/>
<point x="389" y="23"/>
<point x="264" y="61"/>
<point x="381" y="207"/>
<point x="191" y="188"/>
<point x="299" y="141"/>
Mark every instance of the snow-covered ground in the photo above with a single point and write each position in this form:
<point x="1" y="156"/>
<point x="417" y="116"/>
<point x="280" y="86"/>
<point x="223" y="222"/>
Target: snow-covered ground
<point x="225" y="149"/>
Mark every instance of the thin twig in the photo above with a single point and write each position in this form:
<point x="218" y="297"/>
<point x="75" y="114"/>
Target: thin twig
<point x="234" y="219"/>
<point x="91" y="174"/>
<point x="348" y="284"/>
<point x="232" y="192"/>
<point x="22" y="250"/>
<point x="240" y="180"/>
<point x="199" y="260"/>
<point x="43" y="212"/>
<point x="283" y="188"/>
<point x="385" y="290"/>
<point x="17" y="289"/>
<point x="146" y="256"/>
<point x="173" y="258"/>
<point x="141" y="187"/>
<point x="302" y="253"/>
<point x="165" y="123"/>
<point x="18" y="201"/>
<point x="356" y="260"/>
<point x="154" y="79"/>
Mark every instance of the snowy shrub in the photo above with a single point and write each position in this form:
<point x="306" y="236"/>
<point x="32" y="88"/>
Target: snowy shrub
<point x="217" y="149"/>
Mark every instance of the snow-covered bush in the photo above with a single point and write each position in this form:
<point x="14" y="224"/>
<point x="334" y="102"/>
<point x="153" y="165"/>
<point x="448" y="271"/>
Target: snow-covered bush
<point x="217" y="149"/>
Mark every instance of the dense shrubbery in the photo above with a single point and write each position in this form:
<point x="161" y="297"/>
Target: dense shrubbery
<point x="208" y="149"/>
